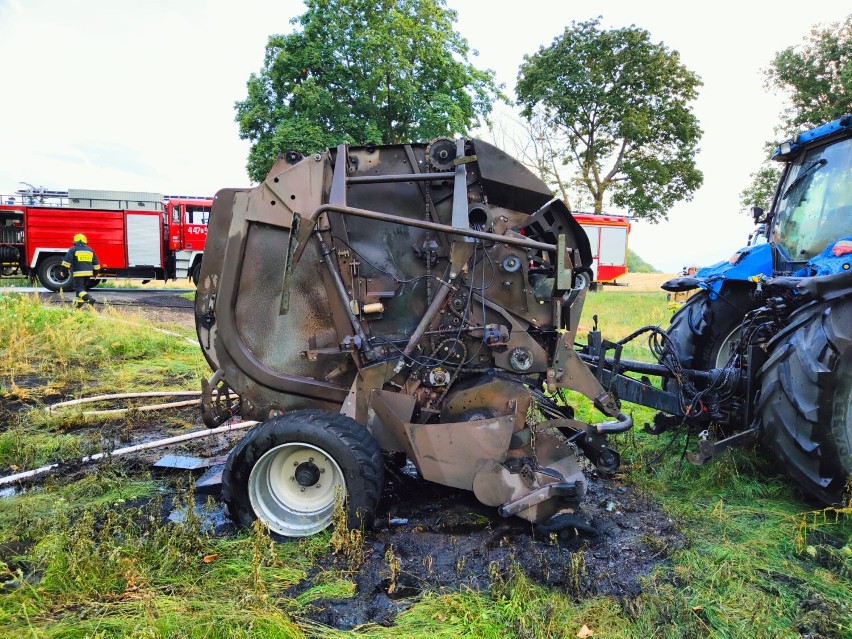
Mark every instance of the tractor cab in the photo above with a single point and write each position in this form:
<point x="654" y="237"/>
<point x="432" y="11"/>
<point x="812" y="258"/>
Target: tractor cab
<point x="812" y="208"/>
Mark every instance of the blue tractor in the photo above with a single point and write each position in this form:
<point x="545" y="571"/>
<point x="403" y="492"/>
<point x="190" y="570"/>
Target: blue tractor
<point x="774" y="325"/>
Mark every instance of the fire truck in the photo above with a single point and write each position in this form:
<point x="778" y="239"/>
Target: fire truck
<point x="608" y="239"/>
<point x="146" y="236"/>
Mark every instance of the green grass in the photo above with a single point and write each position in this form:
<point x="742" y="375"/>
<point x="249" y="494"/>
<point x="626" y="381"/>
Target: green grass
<point x="15" y="281"/>
<point x="94" y="558"/>
<point x="52" y="354"/>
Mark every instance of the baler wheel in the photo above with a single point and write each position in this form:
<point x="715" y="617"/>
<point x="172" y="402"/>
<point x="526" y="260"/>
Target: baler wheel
<point x="805" y="403"/>
<point x="290" y="471"/>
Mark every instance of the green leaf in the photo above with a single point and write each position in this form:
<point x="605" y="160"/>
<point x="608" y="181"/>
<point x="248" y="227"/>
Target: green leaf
<point x="382" y="71"/>
<point x="620" y="107"/>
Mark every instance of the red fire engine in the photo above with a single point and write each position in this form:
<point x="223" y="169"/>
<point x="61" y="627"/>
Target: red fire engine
<point x="608" y="237"/>
<point x="140" y="235"/>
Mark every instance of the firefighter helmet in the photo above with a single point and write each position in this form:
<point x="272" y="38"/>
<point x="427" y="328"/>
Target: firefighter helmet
<point x="80" y="238"/>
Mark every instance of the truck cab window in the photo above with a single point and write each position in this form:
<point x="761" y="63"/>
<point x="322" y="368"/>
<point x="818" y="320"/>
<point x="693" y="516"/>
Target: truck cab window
<point x="196" y="214"/>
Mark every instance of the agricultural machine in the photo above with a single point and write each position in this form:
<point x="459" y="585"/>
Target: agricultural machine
<point x="374" y="304"/>
<point x="777" y="316"/>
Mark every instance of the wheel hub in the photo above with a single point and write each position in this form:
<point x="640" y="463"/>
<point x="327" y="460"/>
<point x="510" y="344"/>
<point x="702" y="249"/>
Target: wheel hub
<point x="307" y="474"/>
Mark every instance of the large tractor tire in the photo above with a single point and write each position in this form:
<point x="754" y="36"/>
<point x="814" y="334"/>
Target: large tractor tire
<point x="290" y="470"/>
<point x="805" y="404"/>
<point x="704" y="329"/>
<point x="53" y="276"/>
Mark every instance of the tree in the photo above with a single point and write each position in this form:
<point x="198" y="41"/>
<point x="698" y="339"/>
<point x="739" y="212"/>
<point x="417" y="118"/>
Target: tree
<point x="816" y="77"/>
<point x="636" y="264"/>
<point x="762" y="187"/>
<point x="383" y="71"/>
<point x="620" y="105"/>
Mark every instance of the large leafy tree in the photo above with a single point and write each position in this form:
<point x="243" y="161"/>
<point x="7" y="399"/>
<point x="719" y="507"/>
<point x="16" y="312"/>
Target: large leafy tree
<point x="382" y="71"/>
<point x="816" y="78"/>
<point x="619" y="104"/>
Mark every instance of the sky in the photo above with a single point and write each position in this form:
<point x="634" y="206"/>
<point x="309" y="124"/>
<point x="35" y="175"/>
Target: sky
<point x="120" y="95"/>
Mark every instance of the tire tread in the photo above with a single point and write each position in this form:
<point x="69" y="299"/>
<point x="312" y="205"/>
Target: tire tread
<point x="263" y="437"/>
<point x="800" y="383"/>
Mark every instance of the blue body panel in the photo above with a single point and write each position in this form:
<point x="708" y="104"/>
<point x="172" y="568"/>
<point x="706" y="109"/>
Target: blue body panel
<point x="757" y="260"/>
<point x="752" y="260"/>
<point x="827" y="263"/>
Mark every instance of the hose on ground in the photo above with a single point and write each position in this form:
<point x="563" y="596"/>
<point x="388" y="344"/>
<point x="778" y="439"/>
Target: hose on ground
<point x="118" y="452"/>
<point x="120" y="411"/>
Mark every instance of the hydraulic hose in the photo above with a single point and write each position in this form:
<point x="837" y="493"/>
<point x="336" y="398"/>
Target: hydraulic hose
<point x="621" y="424"/>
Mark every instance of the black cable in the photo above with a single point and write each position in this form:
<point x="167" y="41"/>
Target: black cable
<point x="376" y="268"/>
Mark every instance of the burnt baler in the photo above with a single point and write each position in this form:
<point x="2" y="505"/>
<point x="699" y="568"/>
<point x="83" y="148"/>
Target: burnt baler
<point x="413" y="299"/>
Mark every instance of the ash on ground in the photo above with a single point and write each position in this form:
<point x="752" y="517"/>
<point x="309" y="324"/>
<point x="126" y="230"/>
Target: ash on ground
<point x="444" y="539"/>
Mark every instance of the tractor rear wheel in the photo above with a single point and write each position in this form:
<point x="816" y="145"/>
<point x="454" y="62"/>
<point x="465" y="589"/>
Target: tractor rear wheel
<point x="290" y="471"/>
<point x="805" y="404"/>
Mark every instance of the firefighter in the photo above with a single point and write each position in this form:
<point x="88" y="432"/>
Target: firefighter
<point x="676" y="300"/>
<point x="83" y="263"/>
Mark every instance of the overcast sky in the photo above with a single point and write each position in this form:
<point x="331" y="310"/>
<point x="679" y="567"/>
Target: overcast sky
<point x="112" y="94"/>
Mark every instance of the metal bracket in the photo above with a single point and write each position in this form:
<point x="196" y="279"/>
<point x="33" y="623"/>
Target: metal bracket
<point x="707" y="450"/>
<point x="288" y="268"/>
<point x="217" y="401"/>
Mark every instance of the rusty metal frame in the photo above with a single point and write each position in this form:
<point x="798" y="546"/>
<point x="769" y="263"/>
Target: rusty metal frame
<point x="309" y="225"/>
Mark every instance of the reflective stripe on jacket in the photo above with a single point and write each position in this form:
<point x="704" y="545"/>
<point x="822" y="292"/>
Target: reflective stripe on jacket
<point x="81" y="260"/>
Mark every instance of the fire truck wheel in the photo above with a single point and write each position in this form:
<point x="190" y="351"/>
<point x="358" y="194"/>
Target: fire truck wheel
<point x="805" y="403"/>
<point x="196" y="273"/>
<point x="291" y="470"/>
<point x="52" y="275"/>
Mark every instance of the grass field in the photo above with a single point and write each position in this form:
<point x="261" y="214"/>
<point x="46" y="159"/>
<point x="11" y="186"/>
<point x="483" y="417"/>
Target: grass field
<point x="94" y="557"/>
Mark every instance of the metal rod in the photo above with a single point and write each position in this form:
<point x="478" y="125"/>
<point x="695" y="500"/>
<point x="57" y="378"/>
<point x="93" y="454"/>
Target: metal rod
<point x="632" y="366"/>
<point x="341" y="289"/>
<point x="406" y="177"/>
<point x="425" y="321"/>
<point x="432" y="226"/>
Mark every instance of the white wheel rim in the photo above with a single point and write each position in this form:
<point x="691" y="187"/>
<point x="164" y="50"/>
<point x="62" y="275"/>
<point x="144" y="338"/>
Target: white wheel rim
<point x="292" y="489"/>
<point x="727" y="344"/>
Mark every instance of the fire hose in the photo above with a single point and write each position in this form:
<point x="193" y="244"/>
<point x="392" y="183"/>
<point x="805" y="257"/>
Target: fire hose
<point x="207" y="432"/>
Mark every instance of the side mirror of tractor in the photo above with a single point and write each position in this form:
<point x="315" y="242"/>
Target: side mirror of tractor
<point x="757" y="213"/>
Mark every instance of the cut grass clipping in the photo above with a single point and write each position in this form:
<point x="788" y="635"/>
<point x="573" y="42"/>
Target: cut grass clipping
<point x="98" y="558"/>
